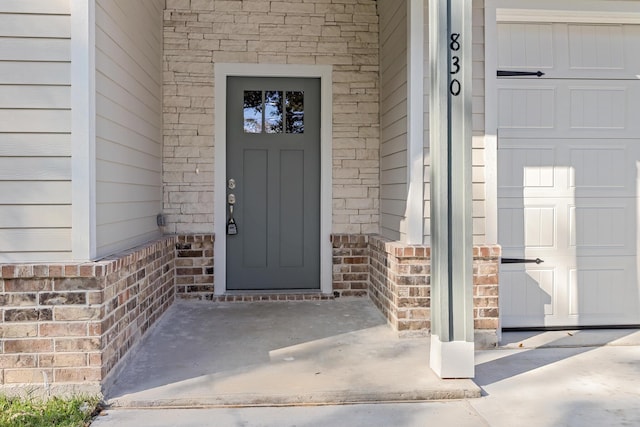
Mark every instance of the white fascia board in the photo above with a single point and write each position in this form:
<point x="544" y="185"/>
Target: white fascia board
<point x="83" y="130"/>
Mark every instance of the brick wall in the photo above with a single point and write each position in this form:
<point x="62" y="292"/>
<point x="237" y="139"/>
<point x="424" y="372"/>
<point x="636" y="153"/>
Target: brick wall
<point x="199" y="33"/>
<point x="350" y="264"/>
<point x="139" y="286"/>
<point x="64" y="327"/>
<point x="194" y="266"/>
<point x="398" y="282"/>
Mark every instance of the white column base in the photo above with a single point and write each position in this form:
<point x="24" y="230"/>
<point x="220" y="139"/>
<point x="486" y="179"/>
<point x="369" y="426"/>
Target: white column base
<point x="453" y="359"/>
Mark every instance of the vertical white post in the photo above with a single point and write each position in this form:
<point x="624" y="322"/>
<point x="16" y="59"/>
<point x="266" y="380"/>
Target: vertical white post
<point x="452" y="341"/>
<point x="83" y="130"/>
<point x="415" y="121"/>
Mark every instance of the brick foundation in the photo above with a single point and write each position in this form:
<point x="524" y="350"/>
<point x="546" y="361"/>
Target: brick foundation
<point x="194" y="266"/>
<point x="350" y="265"/>
<point x="69" y="327"/>
<point x="65" y="327"/>
<point x="398" y="278"/>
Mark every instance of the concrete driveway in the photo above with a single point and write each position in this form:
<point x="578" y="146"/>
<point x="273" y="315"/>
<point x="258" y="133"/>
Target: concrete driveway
<point x="565" y="378"/>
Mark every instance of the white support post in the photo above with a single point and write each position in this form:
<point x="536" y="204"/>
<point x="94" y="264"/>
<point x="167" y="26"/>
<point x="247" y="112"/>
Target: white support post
<point x="415" y="122"/>
<point x="83" y="130"/>
<point x="452" y="341"/>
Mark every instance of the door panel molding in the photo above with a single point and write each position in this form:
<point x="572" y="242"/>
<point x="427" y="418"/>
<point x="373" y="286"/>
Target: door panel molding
<point x="324" y="73"/>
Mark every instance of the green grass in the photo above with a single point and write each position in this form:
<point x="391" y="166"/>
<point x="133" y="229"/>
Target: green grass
<point x="72" y="412"/>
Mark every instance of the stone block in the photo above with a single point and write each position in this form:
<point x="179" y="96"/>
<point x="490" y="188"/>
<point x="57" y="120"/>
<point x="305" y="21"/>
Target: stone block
<point x="27" y="376"/>
<point x="77" y="344"/>
<point x="62" y="298"/>
<point x="75" y="375"/>
<point x="64" y="313"/>
<point x="28" y="346"/>
<point x="63" y="329"/>
<point x="18" y="330"/>
<point x="27" y="315"/>
<point x="62" y="360"/>
<point x="17" y="361"/>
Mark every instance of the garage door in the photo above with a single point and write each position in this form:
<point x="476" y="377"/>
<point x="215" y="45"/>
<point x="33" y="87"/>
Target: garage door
<point x="568" y="173"/>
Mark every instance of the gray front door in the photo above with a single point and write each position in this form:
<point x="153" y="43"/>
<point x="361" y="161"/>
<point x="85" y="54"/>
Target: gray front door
<point x="273" y="170"/>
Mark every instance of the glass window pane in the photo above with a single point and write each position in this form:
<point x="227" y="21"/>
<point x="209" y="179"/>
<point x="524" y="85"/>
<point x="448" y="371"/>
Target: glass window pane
<point x="273" y="115"/>
<point x="252" y="111"/>
<point x="295" y="112"/>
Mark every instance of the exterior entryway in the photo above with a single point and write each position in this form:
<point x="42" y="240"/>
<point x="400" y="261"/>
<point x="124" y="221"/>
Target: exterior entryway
<point x="568" y="155"/>
<point x="278" y="353"/>
<point x="273" y="183"/>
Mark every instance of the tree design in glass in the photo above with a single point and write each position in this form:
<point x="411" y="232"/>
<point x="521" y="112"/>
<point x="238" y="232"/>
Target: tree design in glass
<point x="252" y="111"/>
<point x="273" y="116"/>
<point x="295" y="112"/>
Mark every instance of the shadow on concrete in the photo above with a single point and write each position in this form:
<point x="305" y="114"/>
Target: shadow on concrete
<point x="522" y="352"/>
<point x="203" y="353"/>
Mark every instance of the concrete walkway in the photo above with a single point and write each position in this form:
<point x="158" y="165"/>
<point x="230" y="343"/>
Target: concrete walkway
<point x="565" y="378"/>
<point x="304" y="352"/>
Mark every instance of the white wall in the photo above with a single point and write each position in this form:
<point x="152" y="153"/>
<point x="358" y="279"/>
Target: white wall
<point x="35" y="126"/>
<point x="128" y="122"/>
<point x="393" y="117"/>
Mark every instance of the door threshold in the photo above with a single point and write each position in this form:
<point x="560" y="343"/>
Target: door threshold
<point x="273" y="295"/>
<point x="567" y="328"/>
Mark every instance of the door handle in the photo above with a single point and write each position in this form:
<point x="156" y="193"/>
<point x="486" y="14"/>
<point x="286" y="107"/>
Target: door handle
<point x="506" y="73"/>
<point x="232" y="227"/>
<point x="521" y="261"/>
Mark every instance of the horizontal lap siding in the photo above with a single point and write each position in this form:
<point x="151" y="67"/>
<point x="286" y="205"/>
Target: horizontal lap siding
<point x="35" y="125"/>
<point x="393" y="118"/>
<point x="478" y="147"/>
<point x="128" y="122"/>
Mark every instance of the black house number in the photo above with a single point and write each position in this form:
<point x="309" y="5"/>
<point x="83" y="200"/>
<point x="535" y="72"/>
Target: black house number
<point x="454" y="46"/>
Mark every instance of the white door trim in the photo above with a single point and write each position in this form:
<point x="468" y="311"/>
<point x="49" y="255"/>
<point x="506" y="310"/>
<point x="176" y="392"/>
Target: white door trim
<point x="602" y="11"/>
<point x="221" y="72"/>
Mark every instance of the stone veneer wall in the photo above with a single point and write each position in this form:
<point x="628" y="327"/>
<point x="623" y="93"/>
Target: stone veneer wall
<point x="200" y="33"/>
<point x="65" y="327"/>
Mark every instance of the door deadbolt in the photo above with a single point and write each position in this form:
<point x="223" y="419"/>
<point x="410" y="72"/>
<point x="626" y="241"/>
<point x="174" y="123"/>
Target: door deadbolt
<point x="231" y="184"/>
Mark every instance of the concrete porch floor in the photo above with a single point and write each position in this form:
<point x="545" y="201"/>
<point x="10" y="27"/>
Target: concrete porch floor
<point x="278" y="353"/>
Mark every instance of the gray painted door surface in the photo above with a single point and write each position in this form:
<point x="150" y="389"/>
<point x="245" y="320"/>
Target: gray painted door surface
<point x="273" y="158"/>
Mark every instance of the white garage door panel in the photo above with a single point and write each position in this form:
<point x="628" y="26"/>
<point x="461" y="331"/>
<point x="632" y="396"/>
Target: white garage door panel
<point x="568" y="174"/>
<point x="560" y="167"/>
<point x="525" y="229"/>
<point x="529" y="298"/>
<point x="548" y="108"/>
<point x="576" y="50"/>
<point x="602" y="227"/>
<point x="603" y="291"/>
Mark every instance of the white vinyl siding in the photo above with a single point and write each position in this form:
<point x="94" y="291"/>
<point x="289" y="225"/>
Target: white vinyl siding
<point x="35" y="126"/>
<point x="393" y="118"/>
<point x="478" y="144"/>
<point x="128" y="122"/>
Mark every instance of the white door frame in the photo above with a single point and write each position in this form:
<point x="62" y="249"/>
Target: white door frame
<point x="224" y="70"/>
<point x="596" y="11"/>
